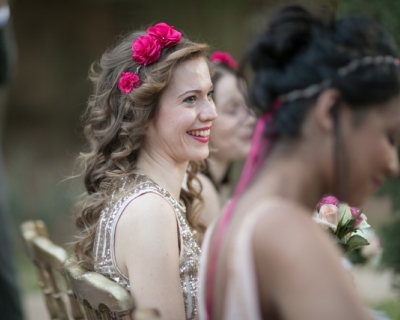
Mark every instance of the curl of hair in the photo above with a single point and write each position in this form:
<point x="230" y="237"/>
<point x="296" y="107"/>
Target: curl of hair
<point x="301" y="48"/>
<point x="114" y="126"/>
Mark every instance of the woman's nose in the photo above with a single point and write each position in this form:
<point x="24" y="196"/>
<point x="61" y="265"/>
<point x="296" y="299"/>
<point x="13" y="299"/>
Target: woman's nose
<point x="251" y="119"/>
<point x="247" y="117"/>
<point x="209" y="112"/>
<point x="393" y="165"/>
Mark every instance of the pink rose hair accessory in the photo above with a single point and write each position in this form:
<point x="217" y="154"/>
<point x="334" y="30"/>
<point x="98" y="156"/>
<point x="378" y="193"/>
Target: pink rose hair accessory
<point x="165" y="34"/>
<point x="147" y="50"/>
<point x="224" y="58"/>
<point x="128" y="81"/>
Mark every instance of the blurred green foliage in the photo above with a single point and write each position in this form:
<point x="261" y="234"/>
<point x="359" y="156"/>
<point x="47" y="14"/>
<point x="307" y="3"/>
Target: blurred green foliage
<point x="41" y="193"/>
<point x="390" y="235"/>
<point x="391" y="309"/>
<point x="392" y="189"/>
<point x="387" y="12"/>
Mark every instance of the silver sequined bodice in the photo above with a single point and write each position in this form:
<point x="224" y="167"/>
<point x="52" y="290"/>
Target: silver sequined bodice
<point x="104" y="255"/>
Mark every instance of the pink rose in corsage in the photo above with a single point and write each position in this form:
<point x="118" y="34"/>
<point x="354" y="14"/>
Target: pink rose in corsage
<point x="328" y="200"/>
<point x="344" y="222"/>
<point x="361" y="218"/>
<point x="146" y="50"/>
<point x="328" y="216"/>
<point x="128" y="81"/>
<point x="165" y="34"/>
<point x="225" y="58"/>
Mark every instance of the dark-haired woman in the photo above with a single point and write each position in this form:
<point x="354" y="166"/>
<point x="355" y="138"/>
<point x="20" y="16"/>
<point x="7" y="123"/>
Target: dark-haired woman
<point x="329" y="96"/>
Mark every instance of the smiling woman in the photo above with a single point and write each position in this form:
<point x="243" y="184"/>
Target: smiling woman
<point x="188" y="110"/>
<point x="147" y="125"/>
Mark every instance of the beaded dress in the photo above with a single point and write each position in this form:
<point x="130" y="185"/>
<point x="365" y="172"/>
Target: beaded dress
<point x="104" y="254"/>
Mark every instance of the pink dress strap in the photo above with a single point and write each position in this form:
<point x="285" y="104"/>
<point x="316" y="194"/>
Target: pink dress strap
<point x="259" y="150"/>
<point x="241" y="301"/>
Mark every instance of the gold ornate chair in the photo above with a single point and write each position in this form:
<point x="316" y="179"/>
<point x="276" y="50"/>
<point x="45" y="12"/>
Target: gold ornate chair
<point x="48" y="259"/>
<point x="102" y="298"/>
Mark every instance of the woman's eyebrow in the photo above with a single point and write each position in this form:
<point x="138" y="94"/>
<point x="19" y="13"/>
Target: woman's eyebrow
<point x="189" y="91"/>
<point x="195" y="91"/>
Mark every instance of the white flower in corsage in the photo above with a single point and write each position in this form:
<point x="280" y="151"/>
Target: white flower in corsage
<point x="344" y="222"/>
<point x="367" y="255"/>
<point x="375" y="247"/>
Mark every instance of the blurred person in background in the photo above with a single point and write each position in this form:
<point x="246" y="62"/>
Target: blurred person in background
<point x="328" y="94"/>
<point x="147" y="125"/>
<point x="10" y="304"/>
<point x="230" y="137"/>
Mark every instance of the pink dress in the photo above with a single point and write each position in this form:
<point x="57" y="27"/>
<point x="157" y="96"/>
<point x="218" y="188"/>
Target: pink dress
<point x="241" y="301"/>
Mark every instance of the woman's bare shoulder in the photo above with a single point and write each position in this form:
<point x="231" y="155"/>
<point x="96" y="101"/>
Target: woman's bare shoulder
<point x="295" y="260"/>
<point x="285" y="234"/>
<point x="149" y="210"/>
<point x="286" y="226"/>
<point x="148" y="219"/>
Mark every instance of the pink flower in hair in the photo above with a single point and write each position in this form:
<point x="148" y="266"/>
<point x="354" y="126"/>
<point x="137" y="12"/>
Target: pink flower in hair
<point x="165" y="34"/>
<point x="225" y="58"/>
<point x="146" y="50"/>
<point x="128" y="82"/>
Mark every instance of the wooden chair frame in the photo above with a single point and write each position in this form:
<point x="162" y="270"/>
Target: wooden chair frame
<point x="49" y="259"/>
<point x="102" y="298"/>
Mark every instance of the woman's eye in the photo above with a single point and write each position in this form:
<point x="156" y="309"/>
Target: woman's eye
<point x="232" y="111"/>
<point x="211" y="94"/>
<point x="234" y="108"/>
<point x="191" y="99"/>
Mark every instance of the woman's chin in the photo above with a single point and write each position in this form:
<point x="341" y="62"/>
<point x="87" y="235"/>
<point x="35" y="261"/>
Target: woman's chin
<point x="200" y="156"/>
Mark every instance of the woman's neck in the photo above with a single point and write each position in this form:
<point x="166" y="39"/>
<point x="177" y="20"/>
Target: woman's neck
<point x="292" y="177"/>
<point x="166" y="173"/>
<point x="217" y="169"/>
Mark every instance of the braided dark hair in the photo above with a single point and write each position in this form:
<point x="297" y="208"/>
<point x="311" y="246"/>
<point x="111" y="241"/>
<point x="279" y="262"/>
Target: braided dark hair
<point x="300" y="49"/>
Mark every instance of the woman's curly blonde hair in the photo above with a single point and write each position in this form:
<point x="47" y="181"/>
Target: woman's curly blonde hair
<point x="114" y="126"/>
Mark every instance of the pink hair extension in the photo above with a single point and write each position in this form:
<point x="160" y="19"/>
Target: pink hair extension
<point x="253" y="163"/>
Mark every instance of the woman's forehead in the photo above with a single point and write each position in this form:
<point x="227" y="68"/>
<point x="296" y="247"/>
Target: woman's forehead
<point x="190" y="75"/>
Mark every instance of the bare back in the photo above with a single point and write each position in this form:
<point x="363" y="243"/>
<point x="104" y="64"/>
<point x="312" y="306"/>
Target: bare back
<point x="275" y="263"/>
